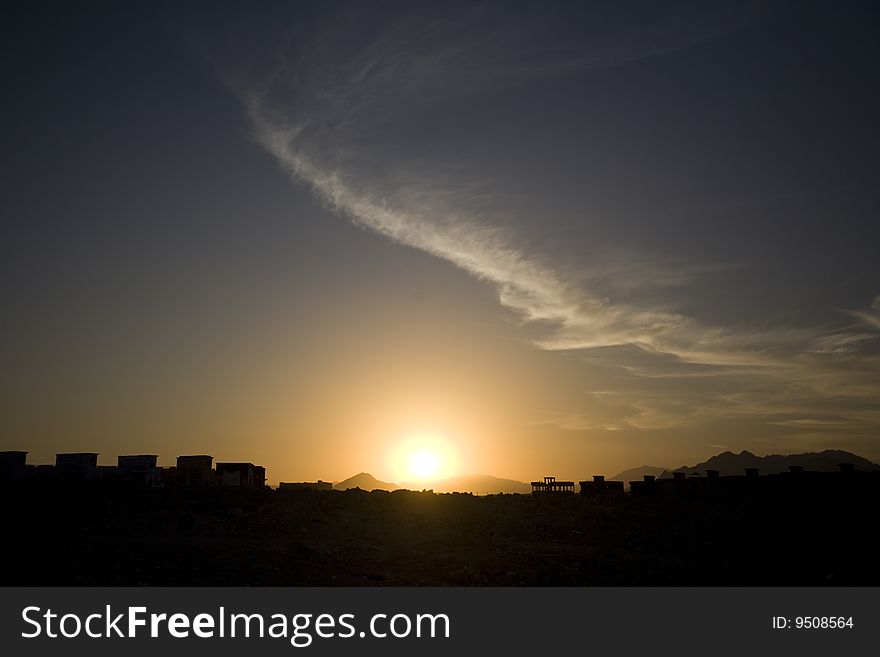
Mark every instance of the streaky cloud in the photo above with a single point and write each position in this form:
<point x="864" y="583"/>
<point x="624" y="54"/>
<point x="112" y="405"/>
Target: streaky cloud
<point x="869" y="316"/>
<point x="315" y="107"/>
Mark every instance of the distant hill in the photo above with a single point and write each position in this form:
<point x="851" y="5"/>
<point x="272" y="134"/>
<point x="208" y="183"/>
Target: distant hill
<point x="364" y="481"/>
<point x="476" y="484"/>
<point x="728" y="463"/>
<point x="637" y="474"/>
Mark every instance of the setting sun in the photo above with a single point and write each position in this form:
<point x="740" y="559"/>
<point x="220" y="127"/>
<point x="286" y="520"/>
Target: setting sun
<point x="423" y="457"/>
<point x="423" y="464"/>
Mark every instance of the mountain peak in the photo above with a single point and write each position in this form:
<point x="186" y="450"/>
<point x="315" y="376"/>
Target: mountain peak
<point x="479" y="484"/>
<point x="364" y="481"/>
<point x="476" y="484"/>
<point x="728" y="463"/>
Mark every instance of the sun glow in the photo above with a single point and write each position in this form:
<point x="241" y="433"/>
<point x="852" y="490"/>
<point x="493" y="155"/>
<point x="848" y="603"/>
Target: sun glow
<point x="424" y="464"/>
<point x="422" y="458"/>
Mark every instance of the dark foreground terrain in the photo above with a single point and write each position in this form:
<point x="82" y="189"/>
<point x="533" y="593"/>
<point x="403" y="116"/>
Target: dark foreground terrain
<point x="96" y="535"/>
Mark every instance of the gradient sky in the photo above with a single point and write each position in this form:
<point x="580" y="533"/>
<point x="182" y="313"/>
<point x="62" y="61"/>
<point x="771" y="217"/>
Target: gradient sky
<point x="541" y="238"/>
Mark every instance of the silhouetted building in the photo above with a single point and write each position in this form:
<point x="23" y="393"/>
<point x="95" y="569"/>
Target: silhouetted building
<point x="13" y="465"/>
<point x="245" y="475"/>
<point x="713" y="480"/>
<point x="140" y="469"/>
<point x="77" y="466"/>
<point x="195" y="470"/>
<point x="43" y="472"/>
<point x="647" y="486"/>
<point x="550" y="485"/>
<point x="599" y="486"/>
<point x="305" y="485"/>
<point x="109" y="473"/>
<point x="677" y="486"/>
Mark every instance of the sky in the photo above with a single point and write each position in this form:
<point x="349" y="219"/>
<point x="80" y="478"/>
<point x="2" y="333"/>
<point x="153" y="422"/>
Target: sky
<point x="518" y="239"/>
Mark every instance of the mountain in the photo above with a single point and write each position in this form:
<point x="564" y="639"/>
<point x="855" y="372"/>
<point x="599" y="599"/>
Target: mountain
<point x="637" y="474"/>
<point x="364" y="481"/>
<point x="728" y="463"/>
<point x="476" y="484"/>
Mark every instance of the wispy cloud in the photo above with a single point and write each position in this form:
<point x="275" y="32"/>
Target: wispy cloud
<point x="871" y="315"/>
<point x="310" y="132"/>
<point x="315" y="104"/>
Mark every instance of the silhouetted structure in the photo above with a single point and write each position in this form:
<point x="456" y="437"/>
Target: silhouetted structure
<point x="195" y="470"/>
<point x="305" y="485"/>
<point x="550" y="485"/>
<point x="244" y="475"/>
<point x="600" y="487"/>
<point x="648" y="486"/>
<point x="13" y="465"/>
<point x="136" y="469"/>
<point x="140" y="469"/>
<point x="76" y="466"/>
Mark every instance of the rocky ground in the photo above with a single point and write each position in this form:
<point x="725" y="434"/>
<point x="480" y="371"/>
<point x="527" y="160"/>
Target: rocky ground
<point x="93" y="535"/>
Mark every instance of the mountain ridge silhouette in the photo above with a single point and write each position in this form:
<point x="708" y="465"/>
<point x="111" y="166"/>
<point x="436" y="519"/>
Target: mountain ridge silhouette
<point x="364" y="481"/>
<point x="477" y="484"/>
<point x="729" y="463"/>
<point x="637" y="474"/>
